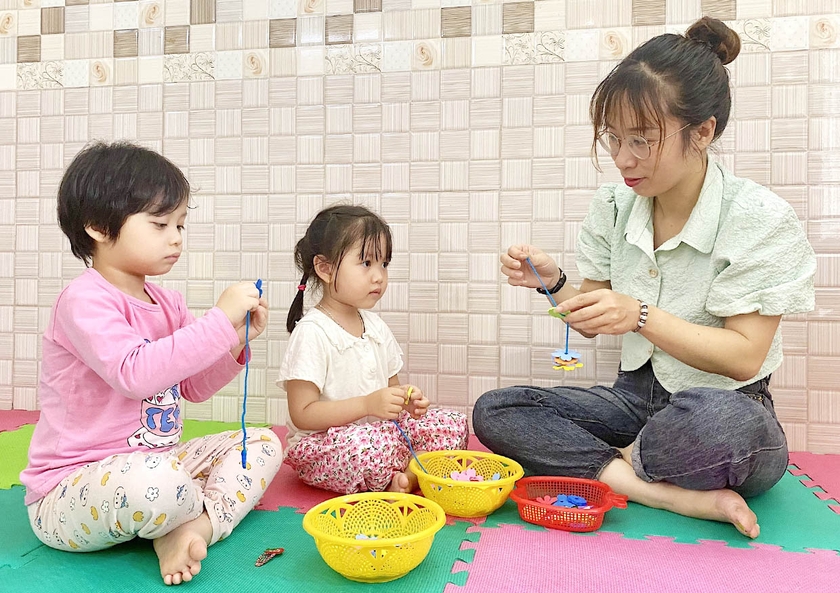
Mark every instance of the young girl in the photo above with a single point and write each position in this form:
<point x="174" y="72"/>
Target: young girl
<point x="341" y="365"/>
<point x="694" y="267"/>
<point x="106" y="463"/>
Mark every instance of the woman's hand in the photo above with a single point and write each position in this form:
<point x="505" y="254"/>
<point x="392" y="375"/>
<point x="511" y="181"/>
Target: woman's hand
<point x="601" y="311"/>
<point x="417" y="404"/>
<point x="519" y="273"/>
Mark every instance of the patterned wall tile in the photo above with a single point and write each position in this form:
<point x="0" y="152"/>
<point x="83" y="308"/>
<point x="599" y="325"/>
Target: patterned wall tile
<point x="367" y="27"/>
<point x="683" y="11"/>
<point x="150" y="42"/>
<point x="177" y="40"/>
<point x="310" y="30"/>
<point x="518" y="17"/>
<point x="202" y="11"/>
<point x="52" y="20"/>
<point x="126" y="43"/>
<point x="339" y="29"/>
<point x="282" y="33"/>
<point x="367" y="5"/>
<point x="724" y="10"/>
<point x="648" y="12"/>
<point x="29" y="48"/>
<point x="456" y="21"/>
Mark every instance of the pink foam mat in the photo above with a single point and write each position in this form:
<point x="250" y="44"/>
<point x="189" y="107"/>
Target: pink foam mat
<point x="14" y="419"/>
<point x="513" y="559"/>
<point x="823" y="471"/>
<point x="286" y="490"/>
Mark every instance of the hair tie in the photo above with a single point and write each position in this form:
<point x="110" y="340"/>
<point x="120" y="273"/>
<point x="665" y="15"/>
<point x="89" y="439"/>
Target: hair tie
<point x="301" y="287"/>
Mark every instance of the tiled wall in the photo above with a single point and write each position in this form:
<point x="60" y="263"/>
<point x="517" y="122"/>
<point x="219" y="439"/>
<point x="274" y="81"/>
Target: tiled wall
<point x="464" y="124"/>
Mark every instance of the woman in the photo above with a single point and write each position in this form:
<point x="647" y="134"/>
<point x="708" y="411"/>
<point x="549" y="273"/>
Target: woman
<point x="694" y="267"/>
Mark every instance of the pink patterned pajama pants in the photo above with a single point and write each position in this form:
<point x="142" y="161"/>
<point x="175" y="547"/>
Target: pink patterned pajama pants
<point x="147" y="493"/>
<point x="365" y="457"/>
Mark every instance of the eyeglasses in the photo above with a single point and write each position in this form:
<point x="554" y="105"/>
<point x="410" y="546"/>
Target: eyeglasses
<point x="639" y="146"/>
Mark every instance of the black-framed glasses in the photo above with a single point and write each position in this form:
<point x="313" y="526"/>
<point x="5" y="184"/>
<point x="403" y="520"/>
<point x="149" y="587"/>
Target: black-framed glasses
<point x="639" y="146"/>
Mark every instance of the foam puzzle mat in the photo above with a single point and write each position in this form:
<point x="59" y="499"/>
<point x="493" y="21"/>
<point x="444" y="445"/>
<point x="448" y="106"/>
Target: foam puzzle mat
<point x="637" y="549"/>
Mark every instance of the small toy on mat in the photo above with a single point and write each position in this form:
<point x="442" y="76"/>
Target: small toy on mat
<point x="268" y="555"/>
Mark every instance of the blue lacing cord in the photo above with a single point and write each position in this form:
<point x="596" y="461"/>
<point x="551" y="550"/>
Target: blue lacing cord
<point x="258" y="284"/>
<point x="550" y="298"/>
<point x="410" y="448"/>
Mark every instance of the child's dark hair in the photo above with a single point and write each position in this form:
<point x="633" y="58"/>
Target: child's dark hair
<point x="333" y="232"/>
<point x="107" y="183"/>
<point x="676" y="75"/>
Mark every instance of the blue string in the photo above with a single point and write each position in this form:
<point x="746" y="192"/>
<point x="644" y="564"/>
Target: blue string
<point x="567" y="339"/>
<point x="258" y="284"/>
<point x="410" y="448"/>
<point x="550" y="298"/>
<point x="545" y="288"/>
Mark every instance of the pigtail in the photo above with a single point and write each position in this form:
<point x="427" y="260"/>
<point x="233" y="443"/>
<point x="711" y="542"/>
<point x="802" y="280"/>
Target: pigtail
<point x="296" y="308"/>
<point x="303" y="262"/>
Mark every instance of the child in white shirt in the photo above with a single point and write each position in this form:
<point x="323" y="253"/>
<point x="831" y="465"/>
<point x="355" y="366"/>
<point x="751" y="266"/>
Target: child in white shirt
<point x="346" y="403"/>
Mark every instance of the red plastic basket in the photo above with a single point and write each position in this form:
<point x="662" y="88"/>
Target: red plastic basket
<point x="598" y="495"/>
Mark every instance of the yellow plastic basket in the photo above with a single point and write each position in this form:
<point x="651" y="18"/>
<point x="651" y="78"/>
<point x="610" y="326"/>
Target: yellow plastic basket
<point x="397" y="531"/>
<point x="466" y="499"/>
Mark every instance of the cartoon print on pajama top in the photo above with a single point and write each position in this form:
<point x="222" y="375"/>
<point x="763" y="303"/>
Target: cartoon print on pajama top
<point x="160" y="419"/>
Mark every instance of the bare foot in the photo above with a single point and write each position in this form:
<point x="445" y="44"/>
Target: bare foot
<point x="726" y="506"/>
<point x="729" y="506"/>
<point x="403" y="482"/>
<point x="723" y="505"/>
<point x="181" y="551"/>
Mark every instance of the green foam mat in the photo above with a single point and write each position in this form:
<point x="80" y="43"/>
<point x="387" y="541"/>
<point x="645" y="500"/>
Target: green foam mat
<point x="17" y="541"/>
<point x="14" y="444"/>
<point x="229" y="566"/>
<point x="790" y="516"/>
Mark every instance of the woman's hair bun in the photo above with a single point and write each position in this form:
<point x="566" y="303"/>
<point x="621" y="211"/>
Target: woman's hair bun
<point x="721" y="39"/>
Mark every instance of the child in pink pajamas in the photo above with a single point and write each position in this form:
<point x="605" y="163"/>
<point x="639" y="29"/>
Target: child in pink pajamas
<point x="341" y="365"/>
<point x="106" y="461"/>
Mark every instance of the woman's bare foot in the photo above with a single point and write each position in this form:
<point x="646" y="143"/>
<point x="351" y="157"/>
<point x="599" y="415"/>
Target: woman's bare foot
<point x="181" y="551"/>
<point x="403" y="482"/>
<point x="723" y="505"/>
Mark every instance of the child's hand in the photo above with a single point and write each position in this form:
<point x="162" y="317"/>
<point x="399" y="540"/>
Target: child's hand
<point x="385" y="403"/>
<point x="259" y="321"/>
<point x="236" y="300"/>
<point x="418" y="404"/>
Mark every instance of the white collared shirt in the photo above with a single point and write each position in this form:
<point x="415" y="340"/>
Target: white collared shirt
<point x="339" y="364"/>
<point x="742" y="250"/>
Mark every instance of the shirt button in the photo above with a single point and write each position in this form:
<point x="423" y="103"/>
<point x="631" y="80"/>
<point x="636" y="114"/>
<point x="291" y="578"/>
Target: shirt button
<point x="653" y="273"/>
